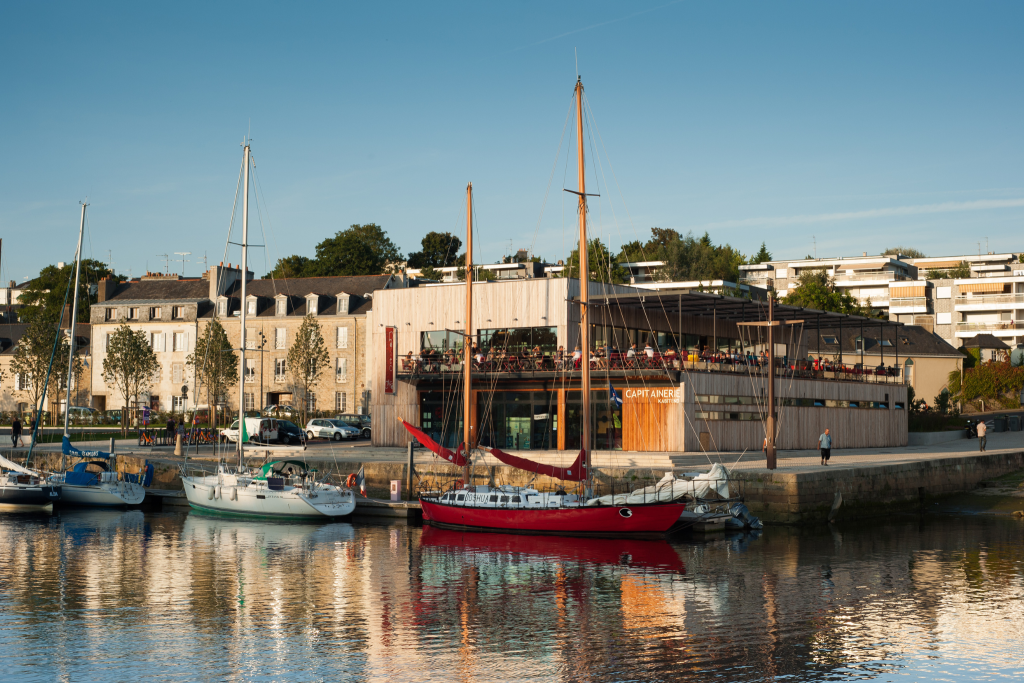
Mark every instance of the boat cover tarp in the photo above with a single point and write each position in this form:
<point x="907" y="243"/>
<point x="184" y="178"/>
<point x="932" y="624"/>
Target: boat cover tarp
<point x="67" y="449"/>
<point x="574" y="472"/>
<point x="9" y="465"/>
<point x="670" y="488"/>
<point x="454" y="457"/>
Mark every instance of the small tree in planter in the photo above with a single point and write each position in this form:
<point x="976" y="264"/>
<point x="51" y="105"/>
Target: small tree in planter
<point x="130" y="365"/>
<point x="215" y="365"/>
<point x="308" y="360"/>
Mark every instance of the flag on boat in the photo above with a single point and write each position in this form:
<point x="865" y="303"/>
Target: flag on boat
<point x="243" y="435"/>
<point x="361" y="480"/>
<point x="614" y="396"/>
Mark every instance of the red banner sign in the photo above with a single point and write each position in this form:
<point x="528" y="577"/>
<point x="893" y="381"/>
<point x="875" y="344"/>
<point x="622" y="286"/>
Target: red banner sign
<point x="389" y="360"/>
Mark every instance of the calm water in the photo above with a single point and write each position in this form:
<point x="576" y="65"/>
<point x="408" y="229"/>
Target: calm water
<point x="119" y="596"/>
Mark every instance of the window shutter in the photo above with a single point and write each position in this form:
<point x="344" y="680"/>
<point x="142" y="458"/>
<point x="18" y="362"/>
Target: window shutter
<point x="342" y="337"/>
<point x="161" y="342"/>
<point x="250" y="337"/>
<point x="280" y="340"/>
<point x="176" y="373"/>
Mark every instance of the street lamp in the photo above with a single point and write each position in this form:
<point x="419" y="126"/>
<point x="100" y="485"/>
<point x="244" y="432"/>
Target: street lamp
<point x="263" y="342"/>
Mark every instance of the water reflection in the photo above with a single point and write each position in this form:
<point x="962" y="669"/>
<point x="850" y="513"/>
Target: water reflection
<point x="110" y="595"/>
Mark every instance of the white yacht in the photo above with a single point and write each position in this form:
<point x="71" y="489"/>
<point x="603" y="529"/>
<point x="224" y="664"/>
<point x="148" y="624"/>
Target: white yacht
<point x="283" y="488"/>
<point x="279" y="488"/>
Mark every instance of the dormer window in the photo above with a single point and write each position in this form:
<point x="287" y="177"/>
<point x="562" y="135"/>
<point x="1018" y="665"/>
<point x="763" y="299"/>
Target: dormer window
<point x="281" y="305"/>
<point x="222" y="307"/>
<point x="313" y="304"/>
<point x="343" y="301"/>
<point x="250" y="306"/>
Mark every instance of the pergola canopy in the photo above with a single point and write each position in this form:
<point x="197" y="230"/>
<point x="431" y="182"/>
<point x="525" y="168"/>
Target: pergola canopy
<point x="731" y="309"/>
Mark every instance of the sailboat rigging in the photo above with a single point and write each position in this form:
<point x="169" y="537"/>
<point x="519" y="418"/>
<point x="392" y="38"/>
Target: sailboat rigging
<point x="518" y="509"/>
<point x="281" y="488"/>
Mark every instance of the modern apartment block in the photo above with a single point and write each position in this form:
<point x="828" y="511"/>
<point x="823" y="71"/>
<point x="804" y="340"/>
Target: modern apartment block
<point x="920" y="291"/>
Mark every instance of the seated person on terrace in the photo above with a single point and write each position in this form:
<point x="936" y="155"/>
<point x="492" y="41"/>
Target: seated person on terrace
<point x="576" y="356"/>
<point x="649" y="350"/>
<point x="560" y="358"/>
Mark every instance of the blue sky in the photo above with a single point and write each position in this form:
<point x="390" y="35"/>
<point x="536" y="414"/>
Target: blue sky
<point x="856" y="125"/>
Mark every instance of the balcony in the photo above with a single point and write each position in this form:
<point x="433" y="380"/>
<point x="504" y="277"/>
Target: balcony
<point x="990" y="326"/>
<point x="764" y="281"/>
<point x="911" y="304"/>
<point x="879" y="276"/>
<point x="415" y="370"/>
<point x="979" y="302"/>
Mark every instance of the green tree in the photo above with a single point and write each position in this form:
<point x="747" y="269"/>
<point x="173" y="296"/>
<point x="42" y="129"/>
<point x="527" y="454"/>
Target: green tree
<point x="293" y="266"/>
<point x="44" y="295"/>
<point x="360" y="250"/>
<point x="215" y="365"/>
<point x="815" y="289"/>
<point x="439" y="249"/>
<point x="129" y="366"/>
<point x="655" y="249"/>
<point x="762" y="255"/>
<point x="603" y="265"/>
<point x="308" y="360"/>
<point x="691" y="258"/>
<point x="32" y="360"/>
<point x="961" y="271"/>
<point x="909" y="252"/>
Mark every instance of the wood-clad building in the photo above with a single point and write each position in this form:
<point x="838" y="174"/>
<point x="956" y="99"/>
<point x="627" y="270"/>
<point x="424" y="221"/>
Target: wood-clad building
<point x="663" y="404"/>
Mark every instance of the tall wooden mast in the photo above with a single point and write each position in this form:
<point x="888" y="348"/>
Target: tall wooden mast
<point x="584" y="280"/>
<point x="467" y="341"/>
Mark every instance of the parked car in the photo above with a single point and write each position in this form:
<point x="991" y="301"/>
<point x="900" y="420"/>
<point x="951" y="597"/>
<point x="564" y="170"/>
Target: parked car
<point x="330" y="429"/>
<point x="288" y="412"/>
<point x="82" y="415"/>
<point x="259" y="430"/>
<point x="360" y="422"/>
<point x="288" y="433"/>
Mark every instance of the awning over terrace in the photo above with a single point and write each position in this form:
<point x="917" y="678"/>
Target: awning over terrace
<point x="731" y="309"/>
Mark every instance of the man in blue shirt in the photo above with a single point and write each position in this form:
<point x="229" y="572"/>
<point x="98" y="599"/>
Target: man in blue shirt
<point x="825" y="444"/>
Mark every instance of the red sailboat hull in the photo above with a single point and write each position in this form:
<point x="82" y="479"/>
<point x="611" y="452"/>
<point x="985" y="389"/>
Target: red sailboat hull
<point x="630" y="521"/>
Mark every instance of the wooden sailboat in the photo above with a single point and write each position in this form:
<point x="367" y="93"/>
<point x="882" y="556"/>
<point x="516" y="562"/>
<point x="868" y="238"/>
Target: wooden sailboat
<point x="518" y="509"/>
<point x="283" y="488"/>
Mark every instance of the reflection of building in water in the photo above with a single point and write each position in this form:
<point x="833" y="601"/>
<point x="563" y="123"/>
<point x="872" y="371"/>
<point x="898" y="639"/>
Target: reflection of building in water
<point x="391" y="603"/>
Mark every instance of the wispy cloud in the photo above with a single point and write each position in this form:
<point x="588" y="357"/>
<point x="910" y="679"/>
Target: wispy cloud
<point x="945" y="207"/>
<point x="593" y="26"/>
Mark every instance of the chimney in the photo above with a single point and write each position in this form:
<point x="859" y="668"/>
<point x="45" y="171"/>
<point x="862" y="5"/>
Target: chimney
<point x="106" y="289"/>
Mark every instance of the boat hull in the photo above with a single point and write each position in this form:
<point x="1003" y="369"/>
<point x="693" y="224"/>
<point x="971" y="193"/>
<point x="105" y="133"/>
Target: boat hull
<point x="30" y="496"/>
<point x="245" y="501"/>
<point x="107" y="494"/>
<point x="635" y="521"/>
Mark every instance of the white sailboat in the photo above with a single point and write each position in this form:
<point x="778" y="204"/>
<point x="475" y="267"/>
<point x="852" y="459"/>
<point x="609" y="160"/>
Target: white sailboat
<point x="79" y="486"/>
<point x="282" y="488"/>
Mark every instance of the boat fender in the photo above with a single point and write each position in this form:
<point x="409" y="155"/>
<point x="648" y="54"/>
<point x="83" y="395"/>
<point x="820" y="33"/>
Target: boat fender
<point x="209" y="495"/>
<point x="351" y="481"/>
<point x="220" y="493"/>
<point x="234" y="493"/>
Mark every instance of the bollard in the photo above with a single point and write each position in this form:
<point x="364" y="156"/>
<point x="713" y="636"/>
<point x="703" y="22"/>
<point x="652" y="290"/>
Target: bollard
<point x="177" y="444"/>
<point x="409" y="470"/>
<point x="396" y="489"/>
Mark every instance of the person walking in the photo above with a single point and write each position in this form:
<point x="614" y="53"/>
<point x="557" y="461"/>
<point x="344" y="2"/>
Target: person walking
<point x="15" y="432"/>
<point x="825" y="445"/>
<point x="982" y="439"/>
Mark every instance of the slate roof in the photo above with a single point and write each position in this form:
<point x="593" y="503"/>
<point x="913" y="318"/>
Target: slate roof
<point x="159" y="290"/>
<point x="296" y="289"/>
<point x="913" y="340"/>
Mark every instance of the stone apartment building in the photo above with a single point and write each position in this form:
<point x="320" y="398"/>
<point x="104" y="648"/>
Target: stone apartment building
<point x="174" y="312"/>
<point x="15" y="393"/>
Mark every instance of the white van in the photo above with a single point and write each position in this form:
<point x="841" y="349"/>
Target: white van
<point x="259" y="430"/>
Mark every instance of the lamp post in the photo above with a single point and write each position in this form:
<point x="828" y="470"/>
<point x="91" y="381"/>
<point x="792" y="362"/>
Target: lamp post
<point x="263" y="342"/>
